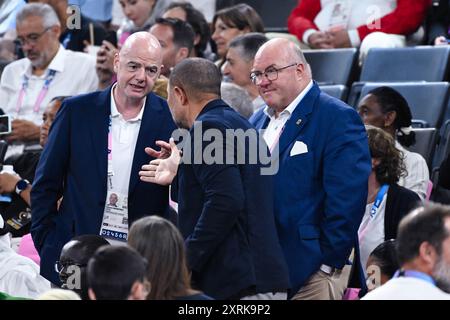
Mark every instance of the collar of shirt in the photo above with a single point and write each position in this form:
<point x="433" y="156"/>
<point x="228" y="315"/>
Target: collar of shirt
<point x="291" y="107"/>
<point x="115" y="113"/>
<point x="56" y="64"/>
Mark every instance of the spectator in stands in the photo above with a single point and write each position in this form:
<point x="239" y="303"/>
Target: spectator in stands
<point x="387" y="202"/>
<point x="186" y="12"/>
<point x="239" y="63"/>
<point x="237" y="98"/>
<point x="117" y="273"/>
<point x="363" y="24"/>
<point x="48" y="71"/>
<point x="222" y="205"/>
<point x="177" y="41"/>
<point x="162" y="245"/>
<point x="75" y="37"/>
<point x="7" y="51"/>
<point x="423" y="251"/>
<point x="385" y="108"/>
<point x="124" y="119"/>
<point x="231" y="22"/>
<point x="19" y="276"/>
<point x="439" y="23"/>
<point x="73" y="261"/>
<point x="323" y="152"/>
<point x="25" y="164"/>
<point x="382" y="264"/>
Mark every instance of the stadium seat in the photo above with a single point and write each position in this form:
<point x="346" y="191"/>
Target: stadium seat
<point x="426" y="139"/>
<point x="427" y="100"/>
<point x="331" y="67"/>
<point x="422" y="63"/>
<point x="338" y="91"/>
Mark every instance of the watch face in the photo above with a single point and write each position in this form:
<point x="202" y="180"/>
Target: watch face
<point x="22" y="184"/>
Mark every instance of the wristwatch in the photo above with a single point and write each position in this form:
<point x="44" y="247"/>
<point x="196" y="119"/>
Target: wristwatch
<point x="21" y="185"/>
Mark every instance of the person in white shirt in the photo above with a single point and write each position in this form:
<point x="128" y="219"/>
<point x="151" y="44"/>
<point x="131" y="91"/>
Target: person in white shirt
<point x="423" y="251"/>
<point x="239" y="62"/>
<point x="387" y="109"/>
<point x="28" y="85"/>
<point x="19" y="276"/>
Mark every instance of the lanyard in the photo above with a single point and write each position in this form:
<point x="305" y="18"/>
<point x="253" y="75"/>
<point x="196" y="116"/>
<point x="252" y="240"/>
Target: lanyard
<point x="109" y="140"/>
<point x="380" y="195"/>
<point x="415" y="274"/>
<point x="42" y="93"/>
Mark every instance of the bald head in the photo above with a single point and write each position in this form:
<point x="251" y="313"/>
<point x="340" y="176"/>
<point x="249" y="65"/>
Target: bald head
<point x="142" y="42"/>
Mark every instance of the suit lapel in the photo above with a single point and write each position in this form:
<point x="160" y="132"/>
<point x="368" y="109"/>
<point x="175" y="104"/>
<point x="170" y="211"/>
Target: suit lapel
<point x="148" y="133"/>
<point x="298" y="119"/>
<point x="99" y="120"/>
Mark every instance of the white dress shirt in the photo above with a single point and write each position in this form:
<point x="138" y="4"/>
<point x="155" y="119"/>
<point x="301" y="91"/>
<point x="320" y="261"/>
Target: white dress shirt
<point x="75" y="74"/>
<point x="276" y="125"/>
<point x="407" y="288"/>
<point x="417" y="169"/>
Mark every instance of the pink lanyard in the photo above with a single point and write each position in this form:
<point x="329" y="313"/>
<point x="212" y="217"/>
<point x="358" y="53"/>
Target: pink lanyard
<point x="41" y="95"/>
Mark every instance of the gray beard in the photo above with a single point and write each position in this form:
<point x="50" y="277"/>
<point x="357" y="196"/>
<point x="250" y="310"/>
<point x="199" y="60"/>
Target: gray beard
<point x="441" y="274"/>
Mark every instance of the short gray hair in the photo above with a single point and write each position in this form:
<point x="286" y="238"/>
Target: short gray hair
<point x="237" y="98"/>
<point x="46" y="12"/>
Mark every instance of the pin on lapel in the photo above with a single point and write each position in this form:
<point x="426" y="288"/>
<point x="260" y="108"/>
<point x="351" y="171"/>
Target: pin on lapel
<point x="298" y="122"/>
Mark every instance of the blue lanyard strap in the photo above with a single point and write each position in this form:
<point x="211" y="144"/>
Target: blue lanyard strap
<point x="380" y="195"/>
<point x="415" y="274"/>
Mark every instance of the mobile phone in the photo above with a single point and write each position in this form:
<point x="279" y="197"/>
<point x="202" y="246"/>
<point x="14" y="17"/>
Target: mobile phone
<point x="5" y="124"/>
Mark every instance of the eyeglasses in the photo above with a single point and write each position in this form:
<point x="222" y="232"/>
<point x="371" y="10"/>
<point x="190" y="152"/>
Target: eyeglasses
<point x="32" y="38"/>
<point x="271" y="74"/>
<point x="61" y="265"/>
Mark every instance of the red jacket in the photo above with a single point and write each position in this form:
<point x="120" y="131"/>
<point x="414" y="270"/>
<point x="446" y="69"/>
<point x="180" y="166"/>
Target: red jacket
<point x="405" y="19"/>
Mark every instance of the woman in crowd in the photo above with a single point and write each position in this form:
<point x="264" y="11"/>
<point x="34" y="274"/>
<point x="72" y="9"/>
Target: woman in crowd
<point x="231" y="22"/>
<point x="387" y="109"/>
<point x="387" y="202"/>
<point x="382" y="264"/>
<point x="160" y="242"/>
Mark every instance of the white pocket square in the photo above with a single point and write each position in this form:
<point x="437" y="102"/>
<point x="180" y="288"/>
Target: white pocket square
<point x="299" y="148"/>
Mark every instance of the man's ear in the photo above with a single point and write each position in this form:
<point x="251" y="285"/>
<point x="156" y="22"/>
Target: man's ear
<point x="116" y="62"/>
<point x="428" y="255"/>
<point x="91" y="294"/>
<point x="182" y="53"/>
<point x="181" y="95"/>
<point x="137" y="291"/>
<point x="300" y="70"/>
<point x="389" y="118"/>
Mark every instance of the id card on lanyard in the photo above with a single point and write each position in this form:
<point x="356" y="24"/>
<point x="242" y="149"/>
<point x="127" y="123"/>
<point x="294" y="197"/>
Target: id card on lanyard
<point x="41" y="95"/>
<point x="115" y="215"/>
<point x="380" y="195"/>
<point x="340" y="15"/>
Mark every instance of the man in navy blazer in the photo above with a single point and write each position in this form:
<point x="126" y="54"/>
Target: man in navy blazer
<point x="225" y="206"/>
<point x="324" y="164"/>
<point x="75" y="163"/>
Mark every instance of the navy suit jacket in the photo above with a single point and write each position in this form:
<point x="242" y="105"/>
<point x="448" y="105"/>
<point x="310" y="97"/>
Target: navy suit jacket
<point x="226" y="217"/>
<point x="74" y="165"/>
<point x="320" y="195"/>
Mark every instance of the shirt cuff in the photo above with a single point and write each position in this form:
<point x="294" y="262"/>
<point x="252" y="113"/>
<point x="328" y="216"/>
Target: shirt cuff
<point x="306" y="35"/>
<point x="354" y="38"/>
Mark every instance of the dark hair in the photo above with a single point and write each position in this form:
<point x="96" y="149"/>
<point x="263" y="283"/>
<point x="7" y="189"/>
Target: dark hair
<point x="391" y="100"/>
<point x="198" y="22"/>
<point x="78" y="254"/>
<point x="385" y="256"/>
<point x="183" y="34"/>
<point x="59" y="98"/>
<point x="382" y="147"/>
<point x="113" y="270"/>
<point x="196" y="76"/>
<point x="162" y="245"/>
<point x="240" y="16"/>
<point x="426" y="224"/>
<point x="249" y="44"/>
